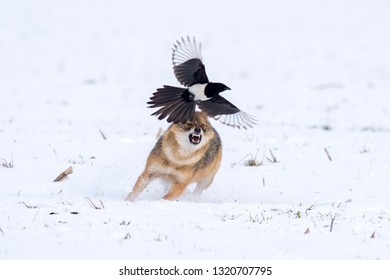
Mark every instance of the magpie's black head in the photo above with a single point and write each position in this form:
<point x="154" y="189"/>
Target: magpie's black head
<point x="213" y="89"/>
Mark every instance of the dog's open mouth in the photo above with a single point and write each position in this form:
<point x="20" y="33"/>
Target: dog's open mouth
<point x="195" y="138"/>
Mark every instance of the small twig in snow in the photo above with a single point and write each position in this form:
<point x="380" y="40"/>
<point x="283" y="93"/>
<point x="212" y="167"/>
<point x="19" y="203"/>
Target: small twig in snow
<point x="331" y="223"/>
<point x="372" y="235"/>
<point x="328" y="155"/>
<point x="64" y="174"/>
<point x="365" y="150"/>
<point x="102" y="134"/>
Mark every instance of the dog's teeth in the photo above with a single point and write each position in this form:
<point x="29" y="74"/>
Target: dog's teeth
<point x="195" y="139"/>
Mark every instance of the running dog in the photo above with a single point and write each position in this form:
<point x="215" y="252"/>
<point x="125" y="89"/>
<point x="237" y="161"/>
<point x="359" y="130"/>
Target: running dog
<point x="186" y="153"/>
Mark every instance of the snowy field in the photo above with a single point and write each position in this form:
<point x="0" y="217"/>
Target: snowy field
<point x="74" y="80"/>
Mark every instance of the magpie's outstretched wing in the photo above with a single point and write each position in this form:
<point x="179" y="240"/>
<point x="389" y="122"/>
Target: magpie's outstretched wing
<point x="187" y="62"/>
<point x="224" y="111"/>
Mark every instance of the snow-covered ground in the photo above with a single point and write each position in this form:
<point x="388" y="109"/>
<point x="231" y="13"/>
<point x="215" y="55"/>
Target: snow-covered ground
<point x="316" y="74"/>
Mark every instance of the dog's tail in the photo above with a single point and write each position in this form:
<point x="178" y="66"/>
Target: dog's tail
<point x="175" y="104"/>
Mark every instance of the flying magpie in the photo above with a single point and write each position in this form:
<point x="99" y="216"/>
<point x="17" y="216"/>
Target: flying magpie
<point x="178" y="104"/>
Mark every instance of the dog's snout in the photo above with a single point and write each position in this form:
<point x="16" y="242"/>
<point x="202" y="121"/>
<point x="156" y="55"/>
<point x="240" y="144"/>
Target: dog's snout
<point x="197" y="130"/>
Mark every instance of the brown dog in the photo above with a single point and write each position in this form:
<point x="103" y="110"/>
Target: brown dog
<point x="184" y="154"/>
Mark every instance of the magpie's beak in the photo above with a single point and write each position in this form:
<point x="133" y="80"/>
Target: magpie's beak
<point x="227" y="88"/>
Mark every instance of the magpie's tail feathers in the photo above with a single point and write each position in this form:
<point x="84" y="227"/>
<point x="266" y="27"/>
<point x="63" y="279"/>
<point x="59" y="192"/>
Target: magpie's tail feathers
<point x="164" y="96"/>
<point x="177" y="112"/>
<point x="182" y="112"/>
<point x="166" y="110"/>
<point x="172" y="104"/>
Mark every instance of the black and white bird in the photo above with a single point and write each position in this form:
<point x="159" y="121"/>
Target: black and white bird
<point x="179" y="104"/>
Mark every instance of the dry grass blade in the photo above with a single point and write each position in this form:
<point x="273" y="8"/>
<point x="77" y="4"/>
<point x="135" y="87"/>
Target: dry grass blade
<point x="28" y="206"/>
<point x="64" y="174"/>
<point x="273" y="159"/>
<point x="93" y="205"/>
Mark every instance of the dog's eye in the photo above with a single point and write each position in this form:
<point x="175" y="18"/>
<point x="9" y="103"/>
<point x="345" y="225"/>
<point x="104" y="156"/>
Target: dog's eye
<point x="204" y="127"/>
<point x="188" y="125"/>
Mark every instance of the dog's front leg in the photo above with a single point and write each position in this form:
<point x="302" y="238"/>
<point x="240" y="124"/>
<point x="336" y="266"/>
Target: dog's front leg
<point x="143" y="180"/>
<point x="176" y="190"/>
<point x="203" y="184"/>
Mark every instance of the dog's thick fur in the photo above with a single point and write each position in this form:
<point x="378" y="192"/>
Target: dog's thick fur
<point x="180" y="158"/>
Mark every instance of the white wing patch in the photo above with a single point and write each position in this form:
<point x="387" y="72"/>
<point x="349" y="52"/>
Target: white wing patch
<point x="186" y="50"/>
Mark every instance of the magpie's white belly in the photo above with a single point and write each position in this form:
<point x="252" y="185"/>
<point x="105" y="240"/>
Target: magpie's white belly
<point x="198" y="91"/>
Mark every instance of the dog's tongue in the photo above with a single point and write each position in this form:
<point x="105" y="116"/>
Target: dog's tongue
<point x="195" y="138"/>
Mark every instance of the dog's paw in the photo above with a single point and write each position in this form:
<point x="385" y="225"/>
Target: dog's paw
<point x="131" y="197"/>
